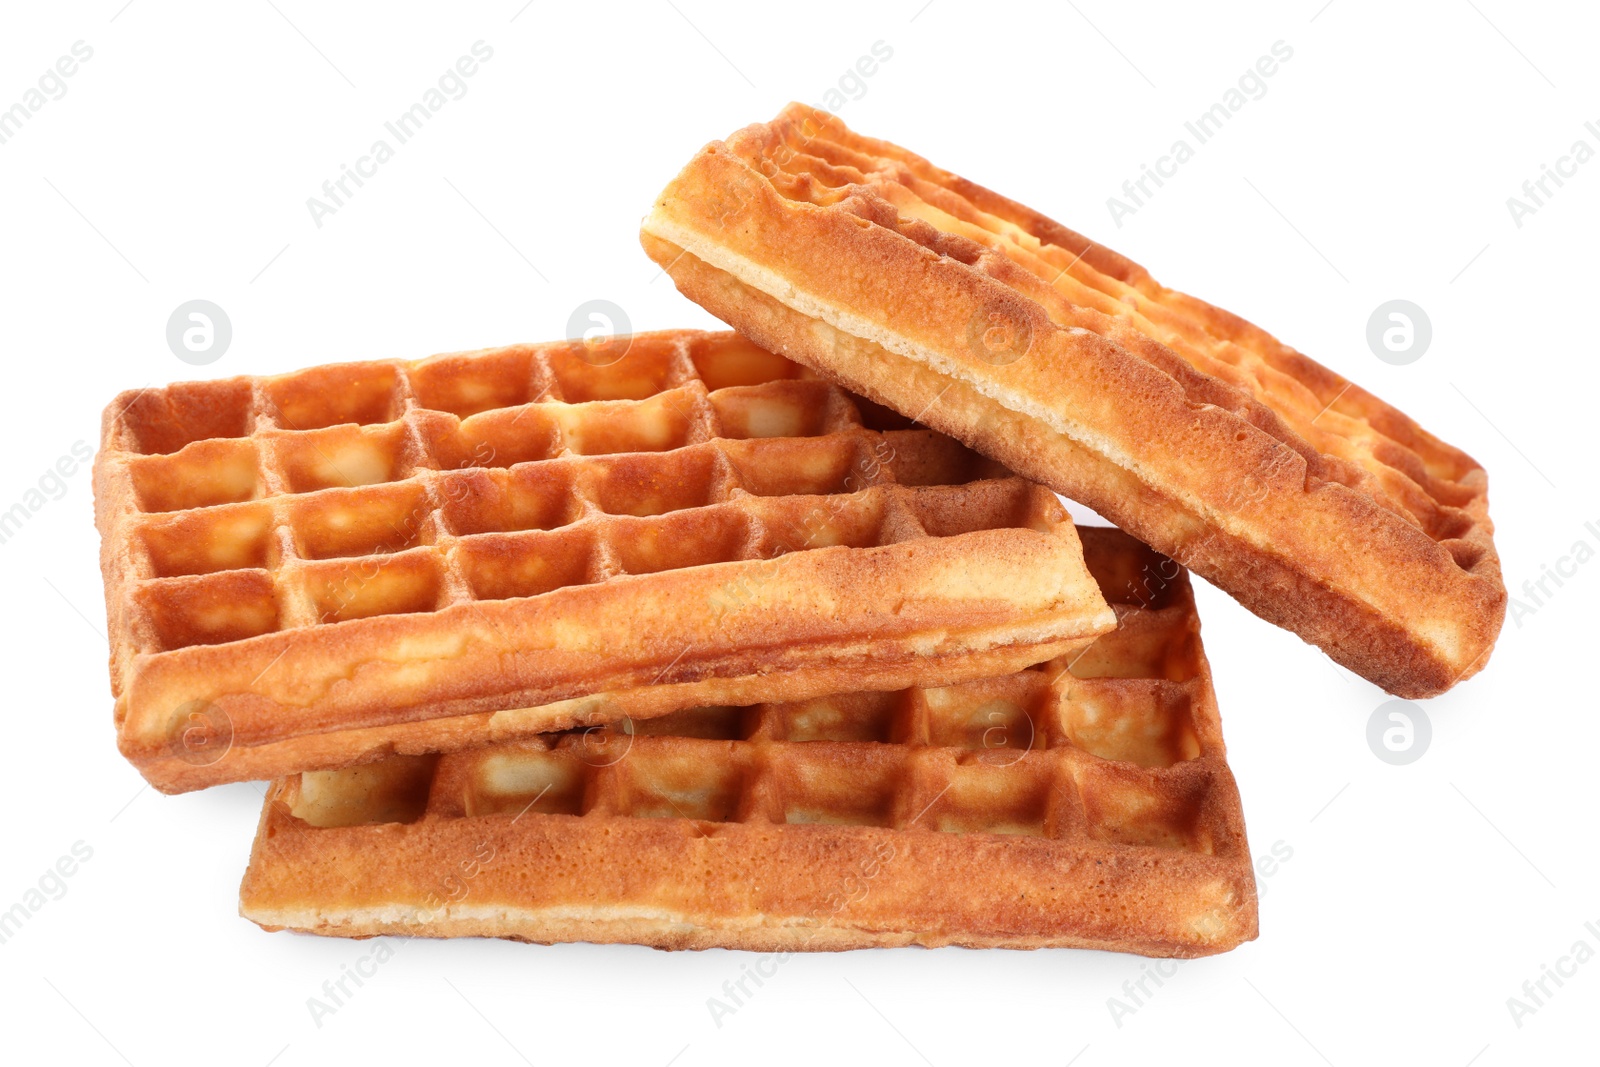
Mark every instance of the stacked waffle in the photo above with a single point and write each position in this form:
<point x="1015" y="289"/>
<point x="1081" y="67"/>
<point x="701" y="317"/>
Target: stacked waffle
<point x="385" y="557"/>
<point x="1319" y="506"/>
<point x="672" y="640"/>
<point x="1085" y="801"/>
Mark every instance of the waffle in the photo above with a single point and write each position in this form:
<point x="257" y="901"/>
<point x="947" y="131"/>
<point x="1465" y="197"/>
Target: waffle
<point x="313" y="570"/>
<point x="1086" y="802"/>
<point x="1321" y="508"/>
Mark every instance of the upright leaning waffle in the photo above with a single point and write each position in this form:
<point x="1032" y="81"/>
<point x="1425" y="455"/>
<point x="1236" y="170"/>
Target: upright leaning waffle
<point x="1087" y="802"/>
<point x="1320" y="507"/>
<point x="322" y="568"/>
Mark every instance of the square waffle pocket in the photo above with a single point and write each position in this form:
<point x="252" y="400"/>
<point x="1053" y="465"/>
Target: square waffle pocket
<point x="322" y="568"/>
<point x="1086" y="802"/>
<point x="1320" y="507"/>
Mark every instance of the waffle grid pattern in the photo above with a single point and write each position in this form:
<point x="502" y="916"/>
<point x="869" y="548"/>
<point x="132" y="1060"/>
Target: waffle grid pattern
<point x="1118" y="747"/>
<point x="1041" y="753"/>
<point x="375" y="488"/>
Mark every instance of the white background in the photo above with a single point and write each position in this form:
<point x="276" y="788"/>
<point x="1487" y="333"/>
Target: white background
<point x="1378" y="164"/>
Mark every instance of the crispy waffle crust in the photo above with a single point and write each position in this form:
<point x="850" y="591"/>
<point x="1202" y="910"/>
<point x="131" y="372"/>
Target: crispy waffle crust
<point x="1318" y="506"/>
<point x="323" y="568"/>
<point x="1086" y="802"/>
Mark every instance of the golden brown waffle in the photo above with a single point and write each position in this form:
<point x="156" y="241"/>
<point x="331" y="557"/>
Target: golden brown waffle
<point x="1087" y="802"/>
<point x="326" y="567"/>
<point x="1320" y="507"/>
